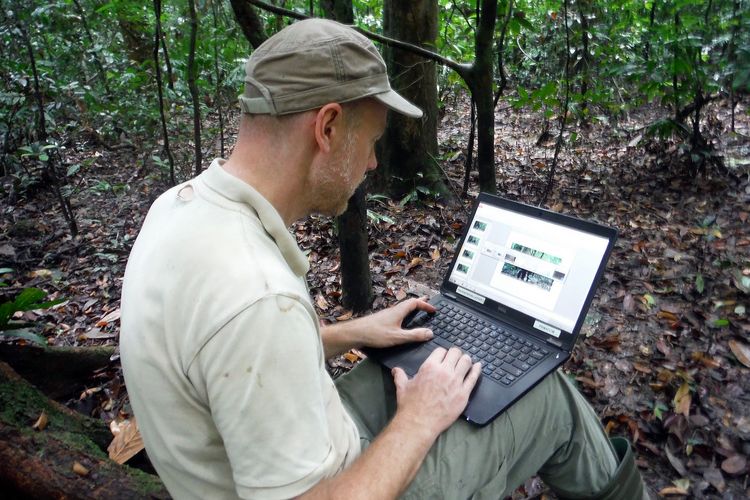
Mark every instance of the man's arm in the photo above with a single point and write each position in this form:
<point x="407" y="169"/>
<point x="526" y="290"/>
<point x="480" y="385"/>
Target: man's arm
<point x="427" y="405"/>
<point x="381" y="329"/>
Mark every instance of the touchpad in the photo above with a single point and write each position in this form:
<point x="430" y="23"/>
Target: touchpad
<point x="411" y="361"/>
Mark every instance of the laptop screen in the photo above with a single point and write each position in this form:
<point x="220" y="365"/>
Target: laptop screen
<point x="540" y="268"/>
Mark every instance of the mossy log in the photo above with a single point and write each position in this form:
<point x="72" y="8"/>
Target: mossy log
<point x="58" y="372"/>
<point x="65" y="459"/>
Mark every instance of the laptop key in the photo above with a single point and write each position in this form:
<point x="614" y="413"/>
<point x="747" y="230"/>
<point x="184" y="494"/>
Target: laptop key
<point x="511" y="369"/>
<point x="521" y="365"/>
<point x="442" y="342"/>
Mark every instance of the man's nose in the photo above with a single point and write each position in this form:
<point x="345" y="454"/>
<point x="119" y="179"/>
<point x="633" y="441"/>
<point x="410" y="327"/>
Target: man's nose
<point x="372" y="164"/>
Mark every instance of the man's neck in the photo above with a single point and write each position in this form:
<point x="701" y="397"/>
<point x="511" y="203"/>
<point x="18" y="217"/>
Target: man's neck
<point x="278" y="174"/>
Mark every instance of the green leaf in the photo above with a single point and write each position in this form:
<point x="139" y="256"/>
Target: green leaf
<point x="73" y="169"/>
<point x="6" y="270"/>
<point x="649" y="299"/>
<point x="27" y="298"/>
<point x="659" y="409"/>
<point x="43" y="157"/>
<point x="6" y="312"/>
<point x="25" y="334"/>
<point x="699" y="284"/>
<point x="721" y="322"/>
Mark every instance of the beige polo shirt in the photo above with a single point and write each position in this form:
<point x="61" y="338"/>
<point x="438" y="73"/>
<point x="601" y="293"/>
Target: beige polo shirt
<point x="221" y="349"/>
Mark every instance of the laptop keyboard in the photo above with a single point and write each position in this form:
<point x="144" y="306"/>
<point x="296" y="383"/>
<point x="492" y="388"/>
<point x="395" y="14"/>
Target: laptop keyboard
<point x="505" y="356"/>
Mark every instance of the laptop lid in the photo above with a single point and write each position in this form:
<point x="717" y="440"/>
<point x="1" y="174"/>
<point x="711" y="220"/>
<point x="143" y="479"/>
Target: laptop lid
<point x="535" y="268"/>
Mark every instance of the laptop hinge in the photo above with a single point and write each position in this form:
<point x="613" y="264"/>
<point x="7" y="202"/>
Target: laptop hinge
<point x="450" y="295"/>
<point x="554" y="342"/>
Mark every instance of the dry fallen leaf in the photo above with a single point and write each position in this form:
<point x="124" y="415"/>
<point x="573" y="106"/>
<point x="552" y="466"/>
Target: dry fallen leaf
<point x="682" y="400"/>
<point x="80" y="469"/>
<point x="321" y="302"/>
<point x="351" y="357"/>
<point x="672" y="491"/>
<point x="741" y="352"/>
<point x="736" y="464"/>
<point x="641" y="367"/>
<point x="715" y="479"/>
<point x="628" y="304"/>
<point x="676" y="462"/>
<point x="40" y="273"/>
<point x="345" y="317"/>
<point x="127" y="442"/>
<point x="41" y="422"/>
<point x="96" y="333"/>
<point x="109" y="318"/>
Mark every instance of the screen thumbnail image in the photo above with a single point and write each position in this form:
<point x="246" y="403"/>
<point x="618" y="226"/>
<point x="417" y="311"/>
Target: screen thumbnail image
<point x="463" y="268"/>
<point x="473" y="240"/>
<point x="536" y="253"/>
<point x="468" y="254"/>
<point x="479" y="225"/>
<point x="527" y="276"/>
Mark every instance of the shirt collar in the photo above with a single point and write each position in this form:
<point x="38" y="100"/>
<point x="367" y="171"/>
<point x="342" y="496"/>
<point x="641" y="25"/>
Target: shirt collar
<point x="234" y="189"/>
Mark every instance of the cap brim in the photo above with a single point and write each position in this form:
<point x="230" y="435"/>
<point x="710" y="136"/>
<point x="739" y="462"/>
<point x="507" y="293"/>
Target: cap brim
<point x="398" y="104"/>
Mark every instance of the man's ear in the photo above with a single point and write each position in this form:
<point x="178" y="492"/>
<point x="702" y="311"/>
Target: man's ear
<point x="329" y="125"/>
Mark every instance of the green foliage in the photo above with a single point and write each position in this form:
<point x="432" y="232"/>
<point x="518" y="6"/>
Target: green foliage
<point x="28" y="300"/>
<point x="96" y="71"/>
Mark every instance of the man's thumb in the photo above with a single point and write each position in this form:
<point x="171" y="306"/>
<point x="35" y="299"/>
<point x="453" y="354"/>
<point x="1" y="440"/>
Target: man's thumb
<point x="399" y="378"/>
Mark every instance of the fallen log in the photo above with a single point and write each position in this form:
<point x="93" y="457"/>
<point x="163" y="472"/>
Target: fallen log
<point x="50" y="451"/>
<point x="57" y="371"/>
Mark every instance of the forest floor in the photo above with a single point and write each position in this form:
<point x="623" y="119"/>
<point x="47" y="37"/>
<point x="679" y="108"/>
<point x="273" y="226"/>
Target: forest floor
<point x="665" y="351"/>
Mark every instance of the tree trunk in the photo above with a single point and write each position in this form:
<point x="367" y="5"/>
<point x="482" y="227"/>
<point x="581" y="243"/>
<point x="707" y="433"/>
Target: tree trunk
<point x="160" y="94"/>
<point x="40" y="463"/>
<point x="192" y="76"/>
<point x="356" y="280"/>
<point x="585" y="61"/>
<point x="501" y="56"/>
<point x="219" y="78"/>
<point x="250" y="22"/>
<point x="49" y="165"/>
<point x="340" y="10"/>
<point x="408" y="149"/>
<point x="480" y="84"/>
<point x="97" y="59"/>
<point x="136" y="39"/>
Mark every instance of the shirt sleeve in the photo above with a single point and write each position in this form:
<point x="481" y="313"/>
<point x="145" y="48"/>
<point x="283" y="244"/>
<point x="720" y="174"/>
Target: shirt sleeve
<point x="261" y="377"/>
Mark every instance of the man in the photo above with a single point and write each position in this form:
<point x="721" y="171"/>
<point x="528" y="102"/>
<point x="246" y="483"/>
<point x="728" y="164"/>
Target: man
<point x="223" y="354"/>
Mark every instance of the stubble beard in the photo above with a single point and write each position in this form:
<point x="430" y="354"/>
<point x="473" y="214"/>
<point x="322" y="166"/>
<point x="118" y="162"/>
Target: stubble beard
<point x="336" y="185"/>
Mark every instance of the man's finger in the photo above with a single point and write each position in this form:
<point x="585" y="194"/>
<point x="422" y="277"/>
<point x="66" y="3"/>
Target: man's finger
<point x="417" y="334"/>
<point x="454" y="354"/>
<point x="437" y="355"/>
<point x="471" y="378"/>
<point x="464" y="364"/>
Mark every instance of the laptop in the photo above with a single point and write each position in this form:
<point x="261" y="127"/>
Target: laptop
<point x="515" y="297"/>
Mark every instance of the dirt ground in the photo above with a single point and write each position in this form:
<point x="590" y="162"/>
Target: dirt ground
<point x="664" y="351"/>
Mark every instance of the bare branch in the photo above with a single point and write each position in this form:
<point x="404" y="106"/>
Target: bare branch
<point x="460" y="68"/>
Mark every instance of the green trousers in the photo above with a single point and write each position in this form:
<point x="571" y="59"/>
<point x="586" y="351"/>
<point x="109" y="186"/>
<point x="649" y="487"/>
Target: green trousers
<point x="552" y="431"/>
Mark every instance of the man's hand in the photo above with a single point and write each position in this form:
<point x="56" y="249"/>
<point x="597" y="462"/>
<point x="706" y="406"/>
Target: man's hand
<point x="381" y="329"/>
<point x="440" y="390"/>
<point x="427" y="405"/>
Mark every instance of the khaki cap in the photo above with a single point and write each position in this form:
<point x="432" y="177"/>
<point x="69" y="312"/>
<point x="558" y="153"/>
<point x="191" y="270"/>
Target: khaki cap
<point x="314" y="62"/>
